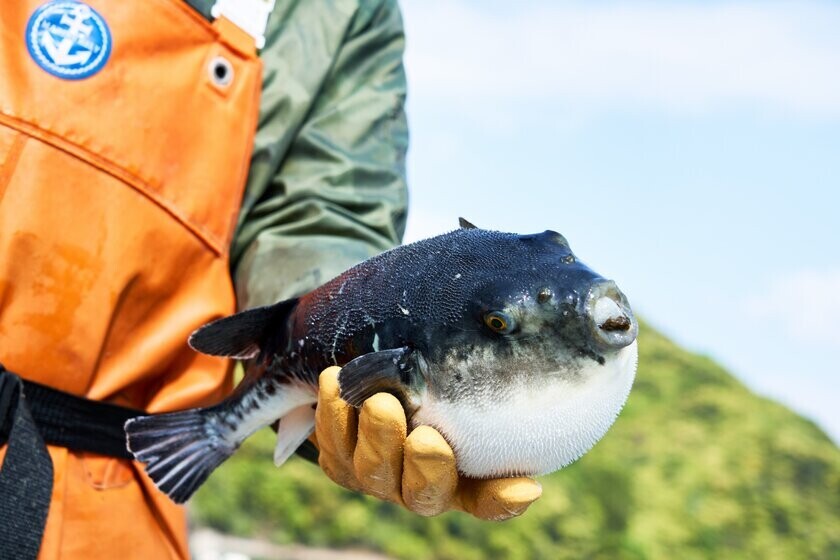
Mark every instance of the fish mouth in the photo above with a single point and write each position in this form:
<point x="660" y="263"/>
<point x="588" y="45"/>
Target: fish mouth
<point x="611" y="321"/>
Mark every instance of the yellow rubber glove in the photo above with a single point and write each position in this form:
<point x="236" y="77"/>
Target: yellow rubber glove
<point x="368" y="451"/>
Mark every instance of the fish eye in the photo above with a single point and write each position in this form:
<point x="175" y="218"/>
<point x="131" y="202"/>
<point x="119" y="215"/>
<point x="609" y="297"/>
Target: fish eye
<point x="499" y="322"/>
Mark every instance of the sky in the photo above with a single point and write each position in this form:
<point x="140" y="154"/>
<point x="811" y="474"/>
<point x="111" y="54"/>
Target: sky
<point x="688" y="150"/>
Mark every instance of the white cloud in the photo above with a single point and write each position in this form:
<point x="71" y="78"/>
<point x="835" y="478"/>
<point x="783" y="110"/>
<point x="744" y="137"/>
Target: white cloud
<point x="805" y="303"/>
<point x="677" y="56"/>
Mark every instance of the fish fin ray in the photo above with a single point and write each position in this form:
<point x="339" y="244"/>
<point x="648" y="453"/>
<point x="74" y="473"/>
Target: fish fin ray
<point x="198" y="445"/>
<point x="389" y="371"/>
<point x="247" y="334"/>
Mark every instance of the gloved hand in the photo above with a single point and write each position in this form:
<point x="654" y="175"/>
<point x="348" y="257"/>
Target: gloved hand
<point x="368" y="451"/>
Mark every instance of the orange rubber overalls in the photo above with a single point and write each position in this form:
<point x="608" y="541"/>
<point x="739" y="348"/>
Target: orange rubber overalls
<point x="118" y="197"/>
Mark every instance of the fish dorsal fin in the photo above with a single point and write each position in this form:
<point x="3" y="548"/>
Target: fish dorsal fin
<point x="248" y="334"/>
<point x="466" y="224"/>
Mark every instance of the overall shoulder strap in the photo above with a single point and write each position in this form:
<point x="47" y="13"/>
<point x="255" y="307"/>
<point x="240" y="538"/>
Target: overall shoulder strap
<point x="251" y="16"/>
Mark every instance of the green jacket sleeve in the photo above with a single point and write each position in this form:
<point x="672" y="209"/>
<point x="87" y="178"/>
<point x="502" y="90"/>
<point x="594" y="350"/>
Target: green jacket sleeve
<point x="327" y="186"/>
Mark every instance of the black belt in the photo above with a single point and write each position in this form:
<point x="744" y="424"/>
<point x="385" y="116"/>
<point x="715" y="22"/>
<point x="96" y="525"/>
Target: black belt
<point x="32" y="415"/>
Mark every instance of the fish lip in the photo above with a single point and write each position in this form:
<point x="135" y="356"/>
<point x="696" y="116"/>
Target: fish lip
<point x="611" y="321"/>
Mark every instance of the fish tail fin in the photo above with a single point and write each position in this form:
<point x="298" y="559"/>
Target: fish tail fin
<point x="179" y="449"/>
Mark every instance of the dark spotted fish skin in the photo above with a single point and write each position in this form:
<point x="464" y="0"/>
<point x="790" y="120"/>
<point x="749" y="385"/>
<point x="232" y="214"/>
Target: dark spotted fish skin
<point x="418" y="295"/>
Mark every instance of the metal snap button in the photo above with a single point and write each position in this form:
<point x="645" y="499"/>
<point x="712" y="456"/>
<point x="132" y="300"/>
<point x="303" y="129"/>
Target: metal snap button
<point x="221" y="71"/>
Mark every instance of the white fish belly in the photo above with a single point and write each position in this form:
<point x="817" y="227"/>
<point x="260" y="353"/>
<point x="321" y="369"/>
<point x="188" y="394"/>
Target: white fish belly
<point x="536" y="430"/>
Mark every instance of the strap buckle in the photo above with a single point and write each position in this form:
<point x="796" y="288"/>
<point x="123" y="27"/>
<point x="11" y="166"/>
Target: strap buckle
<point x="249" y="15"/>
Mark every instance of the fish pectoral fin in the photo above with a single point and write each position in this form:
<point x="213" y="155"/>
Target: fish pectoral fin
<point x="248" y="334"/>
<point x="466" y="224"/>
<point x="388" y="371"/>
<point x="293" y="430"/>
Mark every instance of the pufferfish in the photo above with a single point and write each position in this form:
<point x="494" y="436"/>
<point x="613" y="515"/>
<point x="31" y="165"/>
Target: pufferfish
<point x="514" y="350"/>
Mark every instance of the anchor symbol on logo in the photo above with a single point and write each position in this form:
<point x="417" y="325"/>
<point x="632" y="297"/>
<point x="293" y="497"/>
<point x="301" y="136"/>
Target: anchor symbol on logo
<point x="68" y="39"/>
<point x="74" y="34"/>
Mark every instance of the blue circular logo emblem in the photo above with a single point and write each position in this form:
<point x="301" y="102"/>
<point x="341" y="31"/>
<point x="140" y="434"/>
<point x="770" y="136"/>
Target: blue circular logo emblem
<point x="68" y="39"/>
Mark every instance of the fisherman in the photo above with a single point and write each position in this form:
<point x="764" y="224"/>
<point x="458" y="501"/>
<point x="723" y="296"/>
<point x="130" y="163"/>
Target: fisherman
<point x="150" y="152"/>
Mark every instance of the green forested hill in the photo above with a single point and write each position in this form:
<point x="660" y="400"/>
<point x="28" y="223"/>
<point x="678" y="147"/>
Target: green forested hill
<point x="696" y="466"/>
